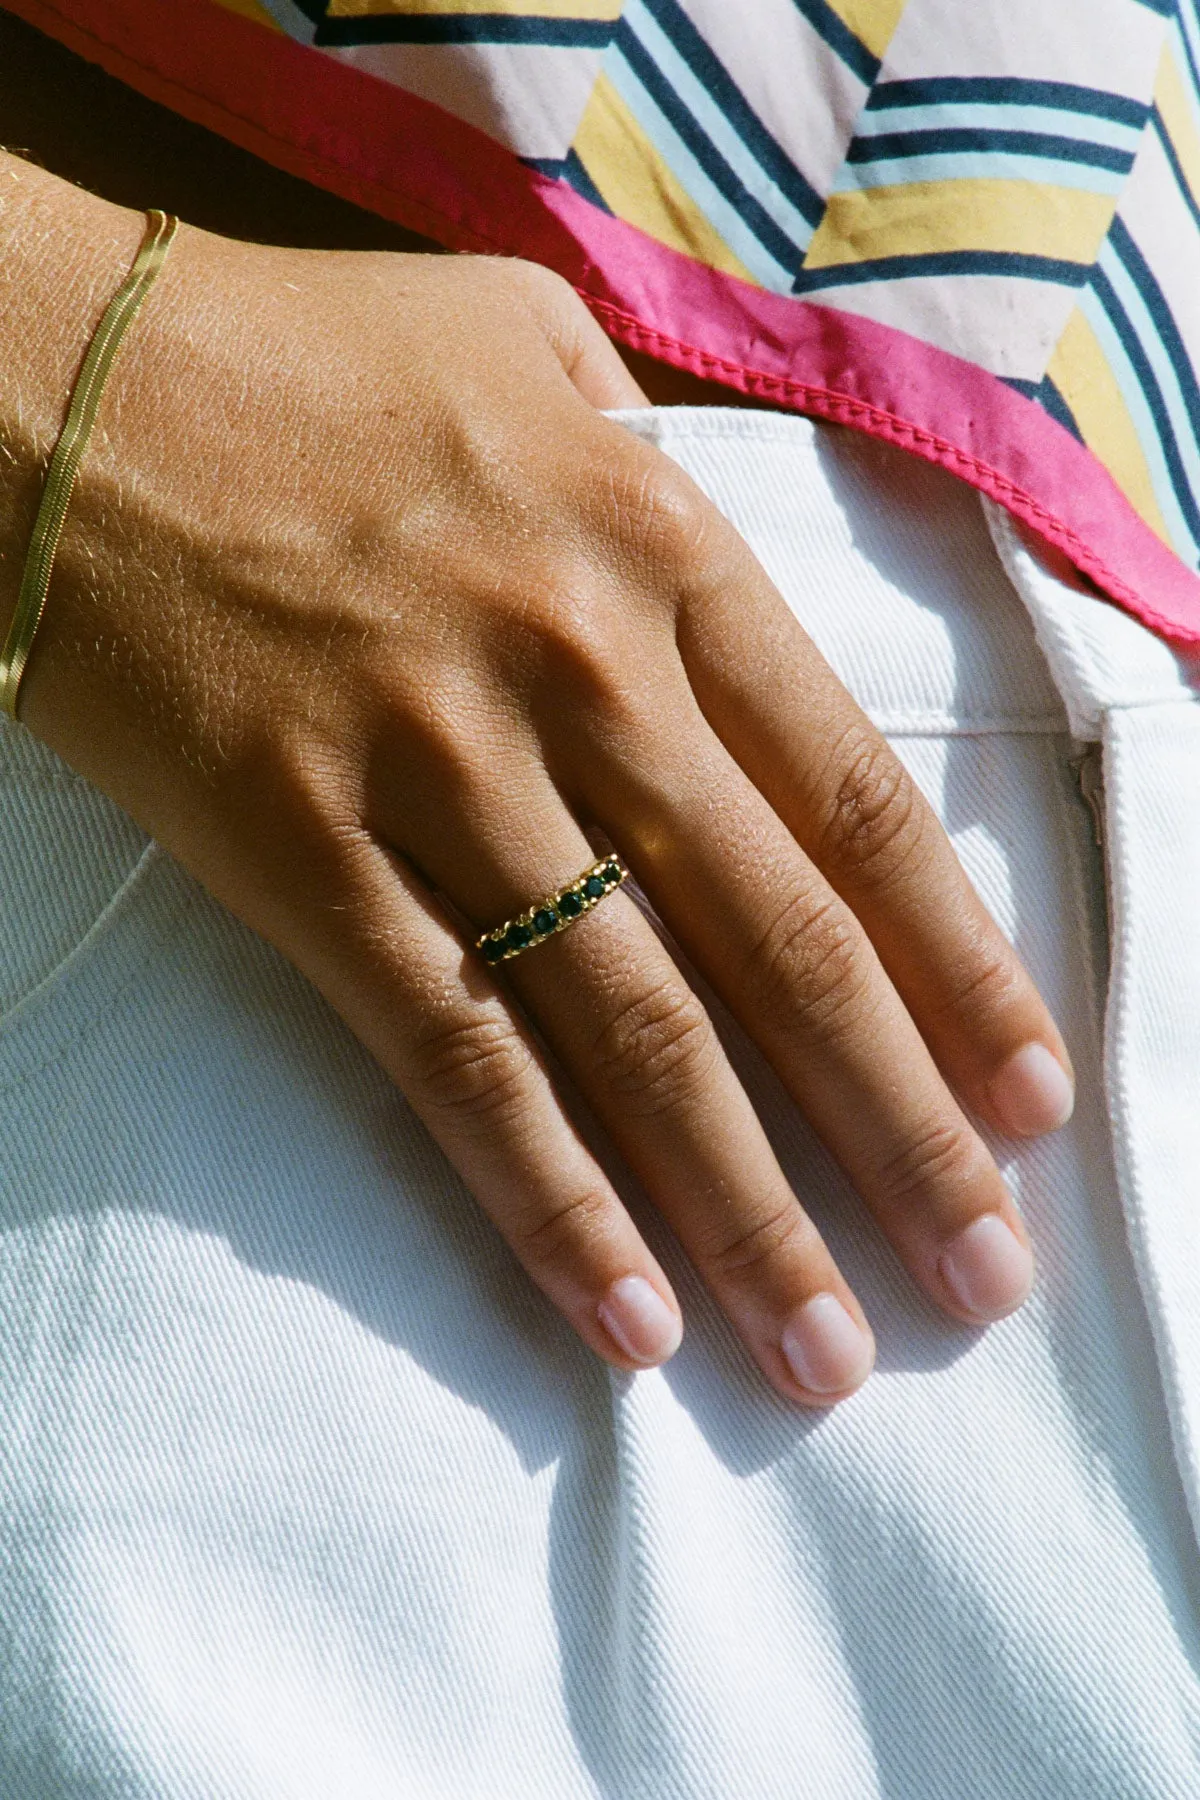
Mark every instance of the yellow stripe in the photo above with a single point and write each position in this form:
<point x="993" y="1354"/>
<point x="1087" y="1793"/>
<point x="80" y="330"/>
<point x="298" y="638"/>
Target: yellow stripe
<point x="1024" y="217"/>
<point x="525" y="9"/>
<point x="871" y="21"/>
<point x="249" y="9"/>
<point x="638" y="186"/>
<point x="1086" y="382"/>
<point x="1179" y="117"/>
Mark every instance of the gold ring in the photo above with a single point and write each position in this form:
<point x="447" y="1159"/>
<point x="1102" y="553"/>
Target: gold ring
<point x="554" y="913"/>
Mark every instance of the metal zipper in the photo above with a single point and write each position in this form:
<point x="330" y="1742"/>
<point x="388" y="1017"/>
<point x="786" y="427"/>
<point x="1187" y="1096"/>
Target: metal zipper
<point x="1090" y="776"/>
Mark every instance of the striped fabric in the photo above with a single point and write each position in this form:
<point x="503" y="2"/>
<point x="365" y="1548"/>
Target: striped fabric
<point x="1125" y="373"/>
<point x="897" y="208"/>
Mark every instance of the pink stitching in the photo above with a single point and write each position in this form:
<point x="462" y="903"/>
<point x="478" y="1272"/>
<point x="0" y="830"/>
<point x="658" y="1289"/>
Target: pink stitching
<point x="845" y="408"/>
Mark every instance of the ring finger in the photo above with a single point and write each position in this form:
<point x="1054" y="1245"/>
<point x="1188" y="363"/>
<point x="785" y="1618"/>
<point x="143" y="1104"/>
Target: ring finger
<point x="642" y="1050"/>
<point x="797" y="968"/>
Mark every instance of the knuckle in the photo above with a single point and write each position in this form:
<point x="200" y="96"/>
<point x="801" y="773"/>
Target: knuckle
<point x="758" y="1243"/>
<point x="941" y="1156"/>
<point x="660" y="1052"/>
<point x="440" y="735"/>
<point x="655" y="511"/>
<point x="809" y="960"/>
<point x="577" y="661"/>
<point x="562" y="1237"/>
<point x="876" y="822"/>
<point x="538" y="284"/>
<point x="569" y="629"/>
<point x="291" y="796"/>
<point x="475" y="1072"/>
<point x="987" y="984"/>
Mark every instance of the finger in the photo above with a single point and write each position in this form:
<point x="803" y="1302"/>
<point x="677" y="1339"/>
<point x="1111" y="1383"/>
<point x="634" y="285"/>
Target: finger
<point x="851" y="804"/>
<point x="796" y="967"/>
<point x="387" y="959"/>
<point x="641" y="1048"/>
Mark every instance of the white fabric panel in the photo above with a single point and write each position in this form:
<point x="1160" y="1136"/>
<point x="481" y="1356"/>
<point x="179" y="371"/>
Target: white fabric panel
<point x="1007" y="324"/>
<point x="1164" y="230"/>
<point x="814" y="136"/>
<point x="309" y="1493"/>
<point x="1100" y="658"/>
<point x="1112" y="45"/>
<point x="1151" y="760"/>
<point x="529" y="97"/>
<point x="1127" y="690"/>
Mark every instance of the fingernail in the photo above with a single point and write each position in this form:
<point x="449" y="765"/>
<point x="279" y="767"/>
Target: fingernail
<point x="639" y="1321"/>
<point x="1033" y="1092"/>
<point x="987" y="1269"/>
<point x="825" y="1348"/>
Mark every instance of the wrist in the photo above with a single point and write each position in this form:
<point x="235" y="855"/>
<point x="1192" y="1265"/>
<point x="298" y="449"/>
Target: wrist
<point x="63" y="254"/>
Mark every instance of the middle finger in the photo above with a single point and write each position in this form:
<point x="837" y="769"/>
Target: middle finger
<point x="639" y="1044"/>
<point x="796" y="967"/>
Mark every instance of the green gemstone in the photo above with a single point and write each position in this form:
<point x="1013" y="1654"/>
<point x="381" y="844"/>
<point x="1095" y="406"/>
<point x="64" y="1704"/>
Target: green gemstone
<point x="570" y="906"/>
<point x="544" y="920"/>
<point x="519" y="937"/>
<point x="493" y="949"/>
<point x="593" y="887"/>
<point x="611" y="873"/>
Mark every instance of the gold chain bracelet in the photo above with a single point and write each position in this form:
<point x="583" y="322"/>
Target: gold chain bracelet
<point x="64" y="464"/>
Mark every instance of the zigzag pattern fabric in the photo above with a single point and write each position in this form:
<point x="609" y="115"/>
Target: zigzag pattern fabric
<point x="998" y="186"/>
<point x="971" y="226"/>
<point x="1124" y="374"/>
<point x="569" y="24"/>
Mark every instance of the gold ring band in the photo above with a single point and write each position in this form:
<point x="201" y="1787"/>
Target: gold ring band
<point x="554" y="913"/>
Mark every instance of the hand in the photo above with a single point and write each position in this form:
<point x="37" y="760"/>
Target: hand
<point x="365" y="612"/>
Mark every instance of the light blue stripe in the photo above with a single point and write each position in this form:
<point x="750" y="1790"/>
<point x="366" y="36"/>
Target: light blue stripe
<point x="974" y="115"/>
<point x="978" y="165"/>
<point x="1188" y="24"/>
<point x="1142" y="320"/>
<point x="711" y="201"/>
<point x="290" y="19"/>
<point x="1143" y="418"/>
<point x="716" y="127"/>
<point x="1187" y="428"/>
<point x="1185" y="71"/>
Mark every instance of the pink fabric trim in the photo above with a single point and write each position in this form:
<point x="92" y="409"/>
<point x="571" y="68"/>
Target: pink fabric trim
<point x="410" y="161"/>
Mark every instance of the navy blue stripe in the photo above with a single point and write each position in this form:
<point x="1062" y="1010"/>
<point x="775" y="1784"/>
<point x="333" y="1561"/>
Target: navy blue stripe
<point x="568" y="168"/>
<point x="890" y="145"/>
<point x="1049" y="398"/>
<point x="702" y="148"/>
<point x="1008" y="90"/>
<point x="1181" y="180"/>
<point x="838" y="35"/>
<point x="1155" y="302"/>
<point x="312" y="9"/>
<point x="1191" y="60"/>
<point x="944" y="262"/>
<point x="474" y="28"/>
<point x="1052" y="398"/>
<point x="715" y="79"/>
<point x="1152" y="393"/>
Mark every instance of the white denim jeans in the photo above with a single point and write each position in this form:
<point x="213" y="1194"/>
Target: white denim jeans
<point x="307" y="1493"/>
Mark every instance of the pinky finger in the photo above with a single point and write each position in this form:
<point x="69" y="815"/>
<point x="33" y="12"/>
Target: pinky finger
<point x="387" y="959"/>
